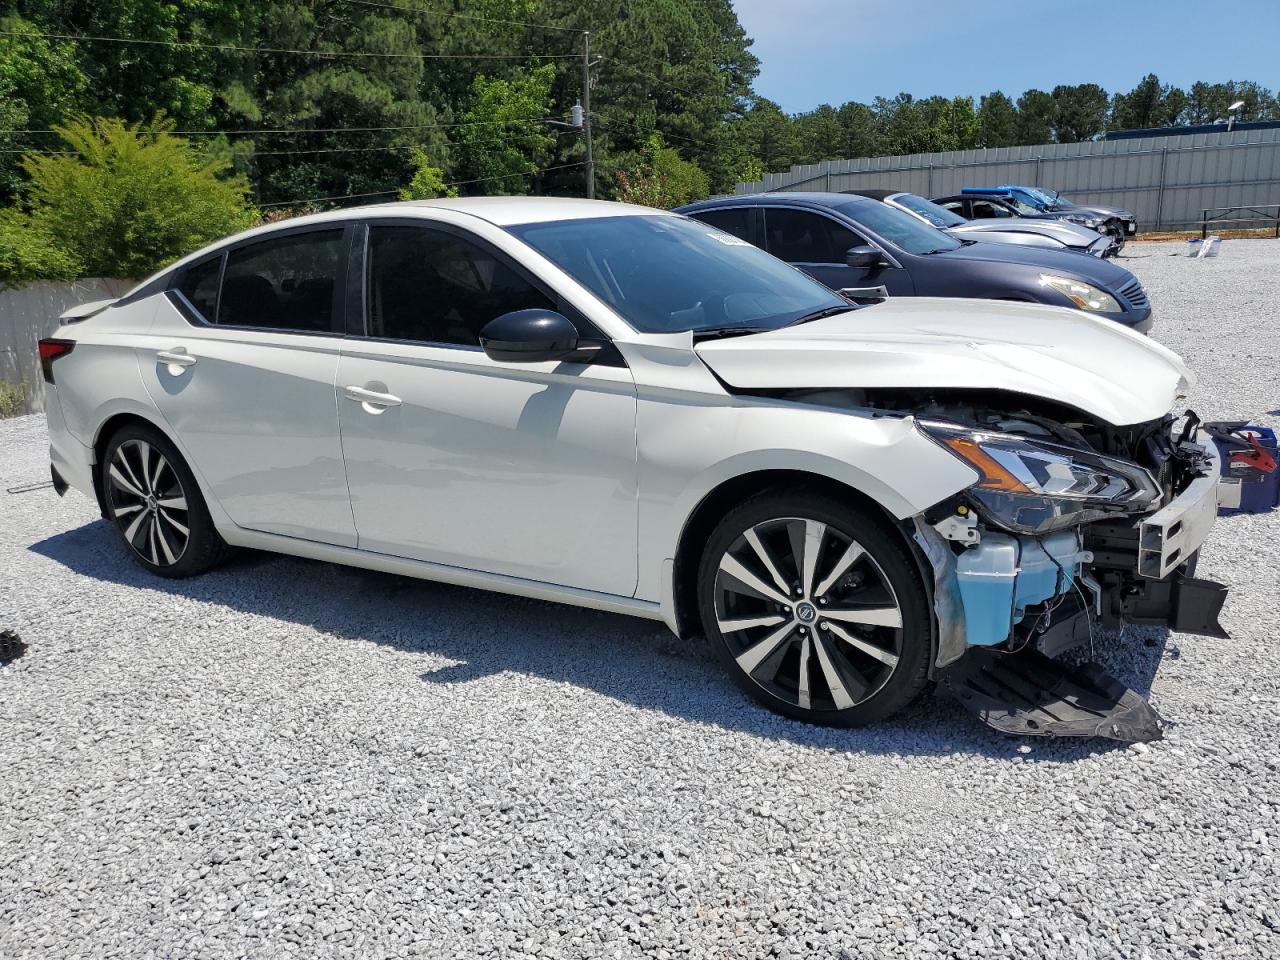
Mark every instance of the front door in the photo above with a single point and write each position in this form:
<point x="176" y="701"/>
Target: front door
<point x="241" y="361"/>
<point x="817" y="244"/>
<point x="526" y="470"/>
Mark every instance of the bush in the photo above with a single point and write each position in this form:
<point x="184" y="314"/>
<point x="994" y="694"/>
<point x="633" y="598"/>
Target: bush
<point x="12" y="399"/>
<point x="128" y="199"/>
<point x="664" y="179"/>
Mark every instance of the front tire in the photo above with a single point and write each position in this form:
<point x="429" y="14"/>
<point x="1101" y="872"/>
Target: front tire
<point x="816" y="609"/>
<point x="154" y="502"/>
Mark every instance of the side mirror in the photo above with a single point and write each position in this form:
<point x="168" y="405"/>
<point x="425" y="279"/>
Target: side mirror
<point x="529" y="336"/>
<point x="864" y="257"/>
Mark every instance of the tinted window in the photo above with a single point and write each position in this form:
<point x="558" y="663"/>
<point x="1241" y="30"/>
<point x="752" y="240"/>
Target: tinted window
<point x="285" y="283"/>
<point x="667" y="274"/>
<point x="437" y="287"/>
<point x="798" y="236"/>
<point x="736" y="220"/>
<point x="200" y="286"/>
<point x="900" y="229"/>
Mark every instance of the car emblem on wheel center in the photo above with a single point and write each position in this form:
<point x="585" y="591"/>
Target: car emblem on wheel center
<point x="806" y="613"/>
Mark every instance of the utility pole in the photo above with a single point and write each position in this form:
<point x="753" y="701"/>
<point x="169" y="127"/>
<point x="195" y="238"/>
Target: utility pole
<point x="586" y="112"/>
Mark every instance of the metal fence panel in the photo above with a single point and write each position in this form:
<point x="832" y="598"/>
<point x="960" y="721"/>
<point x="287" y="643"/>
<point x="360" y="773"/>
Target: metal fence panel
<point x="1167" y="181"/>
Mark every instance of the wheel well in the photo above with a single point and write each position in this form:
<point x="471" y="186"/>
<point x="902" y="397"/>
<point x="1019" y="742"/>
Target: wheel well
<point x="712" y="508"/>
<point x="110" y="428"/>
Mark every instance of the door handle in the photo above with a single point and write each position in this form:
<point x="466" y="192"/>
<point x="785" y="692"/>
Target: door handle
<point x="371" y="400"/>
<point x="176" y="360"/>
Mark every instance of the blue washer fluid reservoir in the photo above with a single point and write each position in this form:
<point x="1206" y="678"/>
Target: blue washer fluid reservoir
<point x="1004" y="574"/>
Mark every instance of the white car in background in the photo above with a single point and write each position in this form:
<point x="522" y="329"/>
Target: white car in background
<point x="1052" y="234"/>
<point x="625" y="409"/>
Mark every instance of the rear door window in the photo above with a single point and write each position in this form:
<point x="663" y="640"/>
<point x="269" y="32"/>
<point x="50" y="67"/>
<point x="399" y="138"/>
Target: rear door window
<point x="735" y="220"/>
<point x="199" y="286"/>
<point x="284" y="283"/>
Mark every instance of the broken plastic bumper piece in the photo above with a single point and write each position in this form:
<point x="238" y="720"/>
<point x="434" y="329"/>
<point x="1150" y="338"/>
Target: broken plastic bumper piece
<point x="1029" y="694"/>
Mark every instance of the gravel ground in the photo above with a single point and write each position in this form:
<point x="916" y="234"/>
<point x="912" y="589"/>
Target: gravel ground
<point x="285" y="758"/>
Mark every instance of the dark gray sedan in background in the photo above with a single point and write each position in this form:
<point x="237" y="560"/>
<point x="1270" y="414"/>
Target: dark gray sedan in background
<point x="861" y="247"/>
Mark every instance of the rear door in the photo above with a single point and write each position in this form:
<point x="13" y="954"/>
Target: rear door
<point x="241" y="363"/>
<point x="521" y="469"/>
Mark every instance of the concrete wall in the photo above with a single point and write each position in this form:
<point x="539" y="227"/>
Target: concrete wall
<point x="1166" y="181"/>
<point x="31" y="312"/>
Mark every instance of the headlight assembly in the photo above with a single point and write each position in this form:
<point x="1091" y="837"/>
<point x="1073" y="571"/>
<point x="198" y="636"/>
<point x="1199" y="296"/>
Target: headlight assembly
<point x="1083" y="295"/>
<point x="1028" y="486"/>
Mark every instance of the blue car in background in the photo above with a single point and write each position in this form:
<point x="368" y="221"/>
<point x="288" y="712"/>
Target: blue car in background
<point x="866" y="249"/>
<point x="1122" y="224"/>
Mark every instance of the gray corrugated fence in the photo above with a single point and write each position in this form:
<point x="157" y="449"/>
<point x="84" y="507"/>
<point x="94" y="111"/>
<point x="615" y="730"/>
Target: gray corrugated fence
<point x="31" y="312"/>
<point x="1166" y="181"/>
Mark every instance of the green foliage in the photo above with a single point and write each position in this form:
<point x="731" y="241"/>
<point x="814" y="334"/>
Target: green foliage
<point x="378" y="125"/>
<point x="500" y="147"/>
<point x="127" y="200"/>
<point x="40" y="83"/>
<point x="997" y="121"/>
<point x="12" y="399"/>
<point x="1080" y="112"/>
<point x="427" y="182"/>
<point x="664" y="180"/>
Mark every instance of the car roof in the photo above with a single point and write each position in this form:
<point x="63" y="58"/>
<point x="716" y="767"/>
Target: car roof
<point x="499" y="211"/>
<point x="874" y="194"/>
<point x="799" y="198"/>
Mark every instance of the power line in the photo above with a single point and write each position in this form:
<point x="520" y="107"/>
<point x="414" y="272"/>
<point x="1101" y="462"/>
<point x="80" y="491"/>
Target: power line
<point x="452" y="183"/>
<point x="232" y="48"/>
<point x="652" y="76"/>
<point x="288" y="130"/>
<point x="317" y="150"/>
<point x="464" y="16"/>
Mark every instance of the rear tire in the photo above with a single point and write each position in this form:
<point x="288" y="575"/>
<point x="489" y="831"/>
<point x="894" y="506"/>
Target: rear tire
<point x="154" y="502"/>
<point x="816" y="609"/>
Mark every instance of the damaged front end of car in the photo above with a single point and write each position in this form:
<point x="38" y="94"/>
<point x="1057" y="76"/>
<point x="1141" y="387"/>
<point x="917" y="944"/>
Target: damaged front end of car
<point x="1071" y="523"/>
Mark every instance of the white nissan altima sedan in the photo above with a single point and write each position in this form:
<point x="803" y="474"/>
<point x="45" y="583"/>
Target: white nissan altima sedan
<point x="625" y="409"/>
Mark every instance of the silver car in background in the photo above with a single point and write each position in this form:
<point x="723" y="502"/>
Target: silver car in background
<point x="1056" y="235"/>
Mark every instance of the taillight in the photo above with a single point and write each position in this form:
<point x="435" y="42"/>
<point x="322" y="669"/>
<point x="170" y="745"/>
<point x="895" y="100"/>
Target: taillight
<point x="51" y="350"/>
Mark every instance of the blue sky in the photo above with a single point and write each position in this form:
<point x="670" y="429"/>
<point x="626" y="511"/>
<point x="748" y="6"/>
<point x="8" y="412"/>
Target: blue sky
<point x="831" y="51"/>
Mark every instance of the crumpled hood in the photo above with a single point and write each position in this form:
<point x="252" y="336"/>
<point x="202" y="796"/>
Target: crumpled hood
<point x="1064" y="355"/>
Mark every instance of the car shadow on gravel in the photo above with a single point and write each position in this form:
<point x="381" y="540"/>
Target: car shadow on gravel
<point x="627" y="659"/>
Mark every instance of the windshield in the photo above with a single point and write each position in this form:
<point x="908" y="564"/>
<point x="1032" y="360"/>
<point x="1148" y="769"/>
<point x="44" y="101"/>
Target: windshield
<point x="900" y="229"/>
<point x="1049" y="200"/>
<point x="665" y="274"/>
<point x="938" y="216"/>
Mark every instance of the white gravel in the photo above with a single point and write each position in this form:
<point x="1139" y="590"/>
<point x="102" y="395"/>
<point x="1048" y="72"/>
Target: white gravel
<point x="285" y="758"/>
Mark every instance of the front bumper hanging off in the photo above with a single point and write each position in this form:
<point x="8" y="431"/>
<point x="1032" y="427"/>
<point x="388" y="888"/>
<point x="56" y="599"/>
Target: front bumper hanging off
<point x="1138" y="570"/>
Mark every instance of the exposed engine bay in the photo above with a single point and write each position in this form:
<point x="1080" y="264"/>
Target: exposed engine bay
<point x="1073" y="524"/>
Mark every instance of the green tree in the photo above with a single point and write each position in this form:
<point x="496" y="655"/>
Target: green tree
<point x="1149" y="104"/>
<point x="861" y="130"/>
<point x="500" y="146"/>
<point x="771" y="136"/>
<point x="428" y="180"/>
<point x="820" y="134"/>
<point x="129" y="199"/>
<point x="997" y="121"/>
<point x="40" y="83"/>
<point x="1081" y="112"/>
<point x="664" y="180"/>
<point x="1037" y="113"/>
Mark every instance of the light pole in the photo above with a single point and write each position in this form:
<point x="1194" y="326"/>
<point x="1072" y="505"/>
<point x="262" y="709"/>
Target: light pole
<point x="1233" y="112"/>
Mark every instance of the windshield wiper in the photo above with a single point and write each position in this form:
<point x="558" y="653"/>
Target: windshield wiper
<point x="717" y="333"/>
<point x="820" y="314"/>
